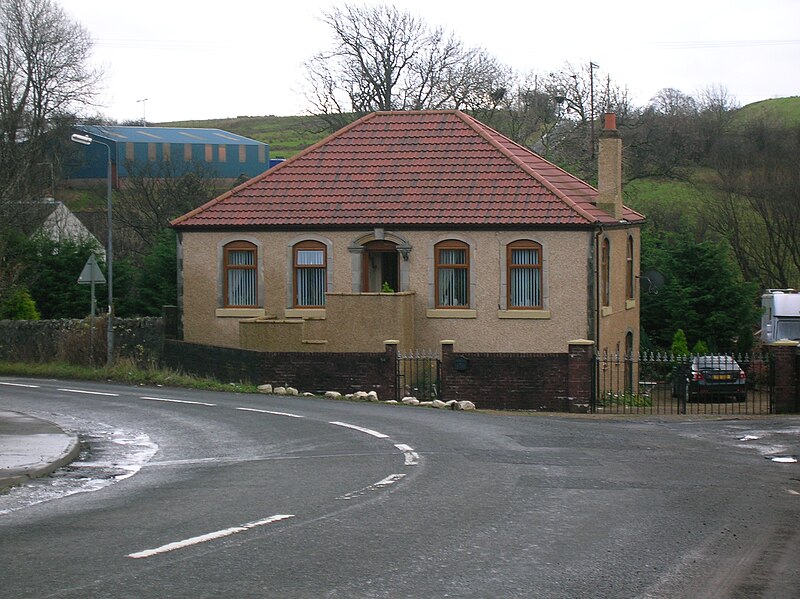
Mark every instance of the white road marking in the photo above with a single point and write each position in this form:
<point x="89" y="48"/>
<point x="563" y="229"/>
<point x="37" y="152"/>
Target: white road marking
<point x="208" y="537"/>
<point x="369" y="431"/>
<point x="89" y="392"/>
<point x="195" y="403"/>
<point x="389" y="480"/>
<point x="20" y="385"/>
<point x="271" y="412"/>
<point x="412" y="457"/>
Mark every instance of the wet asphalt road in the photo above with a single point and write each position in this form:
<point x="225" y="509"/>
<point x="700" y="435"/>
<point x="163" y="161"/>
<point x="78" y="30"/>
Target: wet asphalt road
<point x="262" y="496"/>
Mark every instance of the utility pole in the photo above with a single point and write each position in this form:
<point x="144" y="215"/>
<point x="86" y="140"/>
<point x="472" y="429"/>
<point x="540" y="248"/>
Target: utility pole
<point x="144" y="111"/>
<point x="592" y="67"/>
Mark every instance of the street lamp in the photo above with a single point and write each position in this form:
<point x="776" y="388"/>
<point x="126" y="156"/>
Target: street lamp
<point x="87" y="141"/>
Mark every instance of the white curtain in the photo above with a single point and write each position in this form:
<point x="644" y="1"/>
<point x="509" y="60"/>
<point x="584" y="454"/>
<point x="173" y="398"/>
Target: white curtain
<point x="453" y="284"/>
<point x="526" y="284"/>
<point x="241" y="281"/>
<point x="310" y="280"/>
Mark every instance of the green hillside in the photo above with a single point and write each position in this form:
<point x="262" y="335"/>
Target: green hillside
<point x="286" y="135"/>
<point x="778" y="110"/>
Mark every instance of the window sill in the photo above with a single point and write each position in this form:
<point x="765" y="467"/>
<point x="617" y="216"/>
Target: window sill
<point x="451" y="313"/>
<point x="630" y="304"/>
<point x="240" y="312"/>
<point x="530" y="314"/>
<point x="606" y="311"/>
<point x="305" y="313"/>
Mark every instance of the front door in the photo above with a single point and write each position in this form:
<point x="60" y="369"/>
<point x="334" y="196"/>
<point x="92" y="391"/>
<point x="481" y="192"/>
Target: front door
<point x="381" y="267"/>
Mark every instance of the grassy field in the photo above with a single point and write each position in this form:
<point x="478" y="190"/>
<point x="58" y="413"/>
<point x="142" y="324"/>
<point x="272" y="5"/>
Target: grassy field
<point x="286" y="135"/>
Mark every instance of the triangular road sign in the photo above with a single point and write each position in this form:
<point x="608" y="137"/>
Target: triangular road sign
<point x="91" y="273"/>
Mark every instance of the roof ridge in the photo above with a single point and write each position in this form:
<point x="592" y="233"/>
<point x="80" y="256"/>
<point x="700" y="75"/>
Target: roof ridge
<point x="480" y="128"/>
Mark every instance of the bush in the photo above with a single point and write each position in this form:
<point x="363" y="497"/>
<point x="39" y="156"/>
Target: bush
<point x="19" y="305"/>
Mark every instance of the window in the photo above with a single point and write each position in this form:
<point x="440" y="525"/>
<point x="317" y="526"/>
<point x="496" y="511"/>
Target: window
<point x="241" y="286"/>
<point x="452" y="274"/>
<point x="524" y="264"/>
<point x="605" y="273"/>
<point x="630" y="275"/>
<point x="310" y="266"/>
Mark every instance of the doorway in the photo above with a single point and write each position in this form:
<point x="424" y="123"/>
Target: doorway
<point x="381" y="267"/>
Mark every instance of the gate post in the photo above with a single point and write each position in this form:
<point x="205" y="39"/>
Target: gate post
<point x="389" y="360"/>
<point x="785" y="365"/>
<point x="580" y="363"/>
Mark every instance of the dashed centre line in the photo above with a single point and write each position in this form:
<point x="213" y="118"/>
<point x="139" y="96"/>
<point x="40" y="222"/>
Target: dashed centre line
<point x="271" y="412"/>
<point x="211" y="536"/>
<point x="20" y="385"/>
<point x="368" y="431"/>
<point x="186" y="401"/>
<point x="89" y="392"/>
<point x="412" y="457"/>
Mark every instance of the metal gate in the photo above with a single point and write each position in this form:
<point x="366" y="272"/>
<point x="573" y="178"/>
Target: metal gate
<point x="660" y="383"/>
<point x="418" y="374"/>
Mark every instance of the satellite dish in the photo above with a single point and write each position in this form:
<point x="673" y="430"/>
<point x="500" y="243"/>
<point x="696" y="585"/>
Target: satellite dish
<point x="655" y="281"/>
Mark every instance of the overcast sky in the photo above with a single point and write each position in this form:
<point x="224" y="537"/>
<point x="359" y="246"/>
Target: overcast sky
<point x="203" y="60"/>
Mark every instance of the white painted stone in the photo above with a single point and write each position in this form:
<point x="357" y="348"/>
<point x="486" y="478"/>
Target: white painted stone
<point x="360" y="395"/>
<point x="411" y="401"/>
<point x="451" y="404"/>
<point x="333" y="395"/>
<point x="438" y="404"/>
<point x="372" y="396"/>
<point x="265" y="388"/>
<point x="279" y="390"/>
<point x="466" y="405"/>
<point x="307" y="394"/>
<point x="426" y="404"/>
<point x="292" y="391"/>
<point x="391" y="401"/>
<point x="349" y="396"/>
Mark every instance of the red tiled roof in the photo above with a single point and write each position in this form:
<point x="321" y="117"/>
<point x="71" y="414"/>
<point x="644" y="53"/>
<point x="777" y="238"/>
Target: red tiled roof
<point x="423" y="168"/>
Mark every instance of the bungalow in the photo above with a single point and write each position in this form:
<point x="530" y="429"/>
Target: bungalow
<point x="415" y="226"/>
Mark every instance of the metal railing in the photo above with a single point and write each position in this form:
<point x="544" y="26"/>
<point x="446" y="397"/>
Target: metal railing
<point x="663" y="383"/>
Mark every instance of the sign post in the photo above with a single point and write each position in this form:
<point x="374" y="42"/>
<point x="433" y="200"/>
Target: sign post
<point x="90" y="275"/>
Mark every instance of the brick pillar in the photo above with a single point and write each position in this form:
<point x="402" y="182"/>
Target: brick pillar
<point x="389" y="360"/>
<point x="786" y="395"/>
<point x="579" y="375"/>
<point x="447" y="371"/>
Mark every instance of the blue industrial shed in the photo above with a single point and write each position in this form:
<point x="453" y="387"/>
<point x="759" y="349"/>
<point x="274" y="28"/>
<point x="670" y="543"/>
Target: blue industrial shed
<point x="225" y="155"/>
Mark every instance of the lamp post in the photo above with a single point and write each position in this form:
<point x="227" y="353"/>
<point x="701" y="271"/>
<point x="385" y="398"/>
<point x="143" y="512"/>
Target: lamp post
<point x="87" y="141"/>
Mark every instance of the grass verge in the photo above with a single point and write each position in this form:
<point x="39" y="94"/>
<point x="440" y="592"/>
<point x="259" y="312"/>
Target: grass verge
<point x="122" y="372"/>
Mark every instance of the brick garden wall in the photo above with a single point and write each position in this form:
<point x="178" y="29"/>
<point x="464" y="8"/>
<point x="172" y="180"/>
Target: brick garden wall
<point x="541" y="382"/>
<point x="312" y="372"/>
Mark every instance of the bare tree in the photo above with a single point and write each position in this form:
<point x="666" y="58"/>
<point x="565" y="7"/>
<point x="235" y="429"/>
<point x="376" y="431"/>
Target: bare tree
<point x="43" y="76"/>
<point x="153" y="194"/>
<point x="387" y="59"/>
<point x="758" y="207"/>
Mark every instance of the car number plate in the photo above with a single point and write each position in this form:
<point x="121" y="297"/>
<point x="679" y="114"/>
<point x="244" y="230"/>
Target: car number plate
<point x="721" y="377"/>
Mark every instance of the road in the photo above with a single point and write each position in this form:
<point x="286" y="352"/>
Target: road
<point x="231" y="495"/>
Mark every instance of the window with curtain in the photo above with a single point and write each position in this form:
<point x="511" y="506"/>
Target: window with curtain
<point x="630" y="274"/>
<point x="605" y="273"/>
<point x="452" y="274"/>
<point x="524" y="275"/>
<point x="240" y="277"/>
<point x="310" y="272"/>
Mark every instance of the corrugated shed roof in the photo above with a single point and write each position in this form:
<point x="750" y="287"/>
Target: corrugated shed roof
<point x="174" y="135"/>
<point x="411" y="168"/>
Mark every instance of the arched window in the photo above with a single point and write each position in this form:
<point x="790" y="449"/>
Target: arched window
<point x="524" y="275"/>
<point x="310" y="272"/>
<point x="605" y="273"/>
<point x="630" y="275"/>
<point x="240" y="276"/>
<point x="451" y="274"/>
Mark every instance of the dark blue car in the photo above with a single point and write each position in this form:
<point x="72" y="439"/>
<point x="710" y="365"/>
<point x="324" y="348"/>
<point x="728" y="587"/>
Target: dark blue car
<point x="710" y="378"/>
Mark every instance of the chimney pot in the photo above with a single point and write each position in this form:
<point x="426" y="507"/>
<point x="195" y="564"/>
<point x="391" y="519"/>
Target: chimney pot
<point x="610" y="122"/>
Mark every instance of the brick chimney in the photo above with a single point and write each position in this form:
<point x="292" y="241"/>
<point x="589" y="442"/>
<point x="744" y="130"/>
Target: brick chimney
<point x="609" y="168"/>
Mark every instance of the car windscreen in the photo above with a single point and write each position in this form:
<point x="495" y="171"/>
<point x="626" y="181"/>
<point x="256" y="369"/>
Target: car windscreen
<point x="788" y="329"/>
